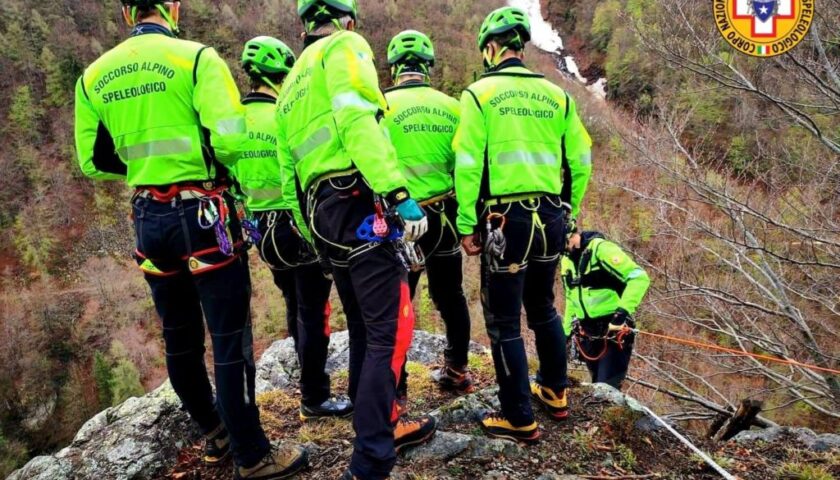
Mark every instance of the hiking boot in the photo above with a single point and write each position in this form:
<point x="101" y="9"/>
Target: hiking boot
<point x="282" y="461"/>
<point x="556" y="405"/>
<point x="402" y="406"/>
<point x="496" y="425"/>
<point x="409" y="433"/>
<point x="216" y="446"/>
<point x="458" y="380"/>
<point x="331" y="408"/>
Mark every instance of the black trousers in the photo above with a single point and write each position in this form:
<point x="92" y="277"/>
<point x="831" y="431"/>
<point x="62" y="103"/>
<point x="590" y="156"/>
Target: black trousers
<point x="534" y="231"/>
<point x="441" y="246"/>
<point x="192" y="282"/>
<point x="306" y="291"/>
<point x="612" y="367"/>
<point x="373" y="287"/>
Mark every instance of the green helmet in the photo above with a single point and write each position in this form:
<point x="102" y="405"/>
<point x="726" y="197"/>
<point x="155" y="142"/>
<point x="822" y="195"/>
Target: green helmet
<point x="349" y="7"/>
<point x="267" y="56"/>
<point x="143" y="4"/>
<point x="503" y="20"/>
<point x="411" y="43"/>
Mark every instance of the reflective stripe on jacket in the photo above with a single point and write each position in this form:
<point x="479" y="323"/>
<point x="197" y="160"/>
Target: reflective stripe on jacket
<point x="157" y="110"/>
<point x="327" y="117"/>
<point x="519" y="133"/>
<point x="605" y="279"/>
<point x="421" y="123"/>
<point x="258" y="170"/>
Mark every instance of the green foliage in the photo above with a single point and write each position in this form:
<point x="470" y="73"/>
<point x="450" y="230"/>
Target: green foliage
<point x="603" y="24"/>
<point x="125" y="382"/>
<point x="738" y="156"/>
<point x="626" y="457"/>
<point x="24" y="116"/>
<point x="103" y="377"/>
<point x="801" y="471"/>
<point x="13" y="454"/>
<point x="56" y="91"/>
<point x="35" y="243"/>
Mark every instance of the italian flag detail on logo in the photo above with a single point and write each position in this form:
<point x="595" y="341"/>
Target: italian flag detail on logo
<point x="762" y="50"/>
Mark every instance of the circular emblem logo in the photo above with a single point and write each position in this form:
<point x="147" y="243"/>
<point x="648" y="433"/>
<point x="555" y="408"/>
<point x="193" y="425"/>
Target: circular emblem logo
<point x="763" y="28"/>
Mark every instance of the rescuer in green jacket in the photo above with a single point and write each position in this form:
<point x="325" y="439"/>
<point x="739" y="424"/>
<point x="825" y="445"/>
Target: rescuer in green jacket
<point x="604" y="287"/>
<point x="296" y="270"/>
<point x="523" y="162"/>
<point x="355" y="201"/>
<point x="164" y="115"/>
<point x="421" y="122"/>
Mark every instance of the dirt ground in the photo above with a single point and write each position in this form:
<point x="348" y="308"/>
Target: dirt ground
<point x="598" y="441"/>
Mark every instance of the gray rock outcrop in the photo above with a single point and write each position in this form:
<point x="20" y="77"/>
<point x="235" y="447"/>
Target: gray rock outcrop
<point x="805" y="436"/>
<point x="134" y="440"/>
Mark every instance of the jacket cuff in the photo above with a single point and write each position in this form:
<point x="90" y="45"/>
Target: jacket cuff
<point x="398" y="196"/>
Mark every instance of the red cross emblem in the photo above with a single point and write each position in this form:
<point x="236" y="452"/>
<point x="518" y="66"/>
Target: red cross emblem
<point x="743" y="10"/>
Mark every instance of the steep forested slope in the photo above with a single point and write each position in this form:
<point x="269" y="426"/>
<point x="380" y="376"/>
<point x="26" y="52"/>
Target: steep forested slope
<point x="718" y="170"/>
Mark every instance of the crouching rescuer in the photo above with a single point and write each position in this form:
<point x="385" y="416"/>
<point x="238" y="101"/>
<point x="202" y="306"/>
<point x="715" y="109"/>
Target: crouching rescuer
<point x="360" y="217"/>
<point x="163" y="114"/>
<point x="421" y="122"/>
<point x="523" y="162"/>
<point x="604" y="287"/>
<point x="296" y="270"/>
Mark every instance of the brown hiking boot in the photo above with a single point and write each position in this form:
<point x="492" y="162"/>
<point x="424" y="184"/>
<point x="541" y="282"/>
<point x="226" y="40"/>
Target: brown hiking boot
<point x="409" y="433"/>
<point x="455" y="379"/>
<point x="216" y="446"/>
<point x="282" y="461"/>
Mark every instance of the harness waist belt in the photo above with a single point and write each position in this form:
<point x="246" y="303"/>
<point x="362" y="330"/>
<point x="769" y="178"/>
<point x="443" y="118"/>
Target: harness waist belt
<point x="513" y="199"/>
<point x="437" y="198"/>
<point x="328" y="176"/>
<point x="165" y="194"/>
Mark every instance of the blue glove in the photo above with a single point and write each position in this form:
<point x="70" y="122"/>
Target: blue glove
<point x="416" y="223"/>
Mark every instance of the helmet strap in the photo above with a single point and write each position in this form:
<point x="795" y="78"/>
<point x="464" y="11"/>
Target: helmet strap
<point x="256" y="71"/>
<point x="400" y="69"/>
<point x="173" y="25"/>
<point x="132" y="15"/>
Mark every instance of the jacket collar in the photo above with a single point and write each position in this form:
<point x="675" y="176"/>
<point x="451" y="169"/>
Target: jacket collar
<point x="409" y="84"/>
<point x="257" y="97"/>
<point x="510" y="62"/>
<point x="150" y="28"/>
<point x="586" y="239"/>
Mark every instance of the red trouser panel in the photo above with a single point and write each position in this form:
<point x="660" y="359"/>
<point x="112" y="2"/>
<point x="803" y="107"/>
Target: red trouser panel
<point x="405" y="333"/>
<point x="327" y="313"/>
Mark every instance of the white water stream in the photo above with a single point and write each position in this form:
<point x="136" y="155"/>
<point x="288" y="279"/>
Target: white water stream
<point x="546" y="38"/>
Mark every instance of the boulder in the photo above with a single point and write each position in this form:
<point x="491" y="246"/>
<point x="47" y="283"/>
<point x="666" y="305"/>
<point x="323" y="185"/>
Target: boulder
<point x="138" y="439"/>
<point x="279" y="368"/>
<point x="805" y="436"/>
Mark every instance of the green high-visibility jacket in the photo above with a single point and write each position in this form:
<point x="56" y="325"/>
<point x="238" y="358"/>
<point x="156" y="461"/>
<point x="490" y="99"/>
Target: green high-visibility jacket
<point x="421" y="123"/>
<point x="604" y="279"/>
<point x="519" y="134"/>
<point x="327" y="117"/>
<point x="156" y="110"/>
<point x="258" y="170"/>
